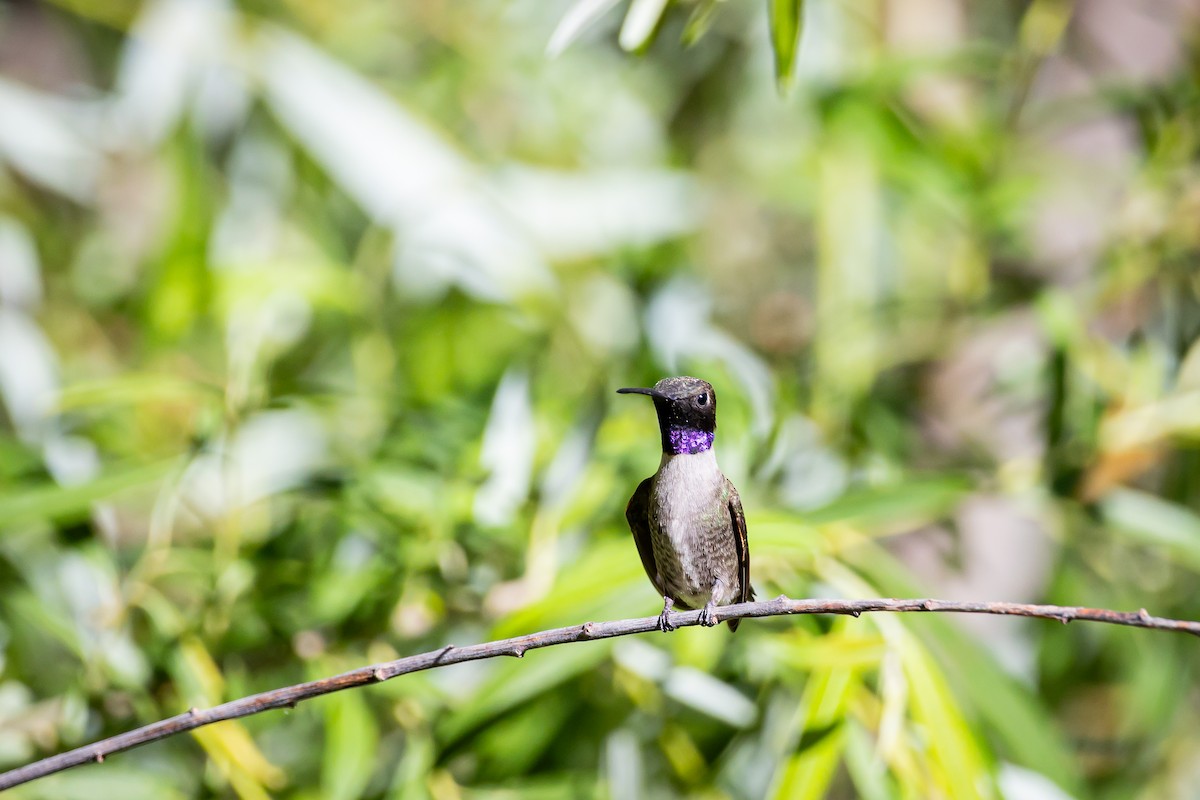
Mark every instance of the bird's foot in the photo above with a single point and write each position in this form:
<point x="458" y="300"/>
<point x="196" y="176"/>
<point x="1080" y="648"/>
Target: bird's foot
<point x="708" y="614"/>
<point x="664" y="619"/>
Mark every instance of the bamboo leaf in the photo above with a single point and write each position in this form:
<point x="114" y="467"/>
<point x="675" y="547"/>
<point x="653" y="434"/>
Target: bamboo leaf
<point x="578" y="19"/>
<point x="22" y="505"/>
<point x="699" y="22"/>
<point x="808" y="773"/>
<point x="1143" y="518"/>
<point x="1026" y="730"/>
<point x="514" y="683"/>
<point x="916" y="499"/>
<point x="351" y="737"/>
<point x="641" y="21"/>
<point x="787" y="21"/>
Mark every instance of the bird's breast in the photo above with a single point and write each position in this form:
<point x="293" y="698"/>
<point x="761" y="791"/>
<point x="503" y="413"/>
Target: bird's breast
<point x="690" y="527"/>
<point x="687" y="485"/>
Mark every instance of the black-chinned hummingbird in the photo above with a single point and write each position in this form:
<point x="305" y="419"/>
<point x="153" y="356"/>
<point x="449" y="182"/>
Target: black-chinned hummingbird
<point x="687" y="518"/>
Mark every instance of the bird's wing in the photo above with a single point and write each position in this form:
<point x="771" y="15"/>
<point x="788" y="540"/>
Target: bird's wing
<point x="742" y="545"/>
<point x="638" y="515"/>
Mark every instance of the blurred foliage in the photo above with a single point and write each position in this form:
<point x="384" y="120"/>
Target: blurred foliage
<point x="311" y="316"/>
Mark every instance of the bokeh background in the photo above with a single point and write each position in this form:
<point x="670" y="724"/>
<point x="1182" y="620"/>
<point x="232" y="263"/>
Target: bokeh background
<point x="311" y="316"/>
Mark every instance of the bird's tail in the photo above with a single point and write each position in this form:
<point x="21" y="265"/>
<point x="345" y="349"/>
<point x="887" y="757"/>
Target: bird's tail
<point x="733" y="623"/>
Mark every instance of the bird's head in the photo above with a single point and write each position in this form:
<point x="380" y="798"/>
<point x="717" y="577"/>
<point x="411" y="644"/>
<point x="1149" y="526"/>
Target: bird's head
<point x="687" y="413"/>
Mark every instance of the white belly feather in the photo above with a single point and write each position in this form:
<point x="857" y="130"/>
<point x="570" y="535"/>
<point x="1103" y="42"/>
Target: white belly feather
<point x="689" y="516"/>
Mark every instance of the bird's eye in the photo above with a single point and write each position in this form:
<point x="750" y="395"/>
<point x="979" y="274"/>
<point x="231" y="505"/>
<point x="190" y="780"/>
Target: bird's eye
<point x="702" y="400"/>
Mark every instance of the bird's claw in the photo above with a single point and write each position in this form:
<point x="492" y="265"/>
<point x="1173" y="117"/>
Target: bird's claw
<point x="708" y="615"/>
<point x="664" y="619"/>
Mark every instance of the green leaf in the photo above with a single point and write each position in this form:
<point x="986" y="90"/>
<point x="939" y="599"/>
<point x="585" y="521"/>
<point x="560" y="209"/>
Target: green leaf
<point x="1029" y="734"/>
<point x="136" y="388"/>
<point x="605" y="582"/>
<point x="952" y="744"/>
<point x="895" y="506"/>
<point x="1151" y="520"/>
<point x="351" y="738"/>
<point x="1044" y="24"/>
<point x="808" y="773"/>
<point x="698" y="22"/>
<point x="578" y="19"/>
<point x="786" y="18"/>
<point x="513" y="683"/>
<point x="409" y="779"/>
<point x="812" y="737"/>
<point x="641" y="22"/>
<point x="801" y="651"/>
<point x="510" y="746"/>
<point x="865" y="767"/>
<point x="132" y="781"/>
<point x="22" y="505"/>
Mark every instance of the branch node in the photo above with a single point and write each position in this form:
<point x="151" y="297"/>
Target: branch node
<point x="587" y="630"/>
<point x="854" y="612"/>
<point x="195" y="712"/>
<point x="928" y="605"/>
<point x="99" y="757"/>
<point x="1143" y="615"/>
<point x="517" y="652"/>
<point x="379" y="675"/>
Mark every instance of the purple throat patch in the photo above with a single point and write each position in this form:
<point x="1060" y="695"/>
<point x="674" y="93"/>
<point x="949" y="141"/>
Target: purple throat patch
<point x="687" y="440"/>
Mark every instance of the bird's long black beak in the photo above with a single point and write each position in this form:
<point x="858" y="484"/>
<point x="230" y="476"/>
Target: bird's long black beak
<point x="638" y="390"/>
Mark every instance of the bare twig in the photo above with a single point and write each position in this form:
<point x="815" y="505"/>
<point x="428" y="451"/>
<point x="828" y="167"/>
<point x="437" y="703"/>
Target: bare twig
<point x="289" y="696"/>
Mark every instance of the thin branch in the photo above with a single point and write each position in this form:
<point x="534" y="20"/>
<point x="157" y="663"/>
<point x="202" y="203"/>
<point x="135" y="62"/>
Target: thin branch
<point x="517" y="646"/>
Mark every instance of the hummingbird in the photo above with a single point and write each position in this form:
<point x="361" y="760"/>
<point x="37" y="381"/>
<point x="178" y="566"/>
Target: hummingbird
<point x="687" y="518"/>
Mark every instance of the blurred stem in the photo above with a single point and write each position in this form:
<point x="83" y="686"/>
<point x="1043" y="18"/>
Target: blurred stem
<point x="1042" y="29"/>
